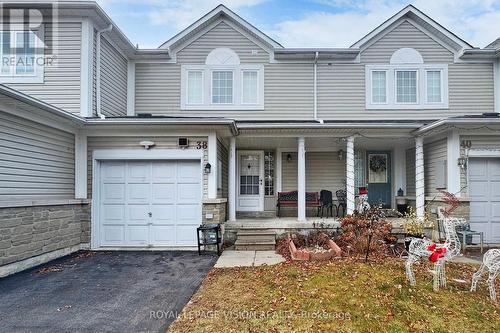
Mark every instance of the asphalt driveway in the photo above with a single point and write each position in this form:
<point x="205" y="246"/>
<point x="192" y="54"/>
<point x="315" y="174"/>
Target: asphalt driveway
<point x="102" y="292"/>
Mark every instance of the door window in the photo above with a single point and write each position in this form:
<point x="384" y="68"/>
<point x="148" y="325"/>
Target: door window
<point x="249" y="175"/>
<point x="377" y="168"/>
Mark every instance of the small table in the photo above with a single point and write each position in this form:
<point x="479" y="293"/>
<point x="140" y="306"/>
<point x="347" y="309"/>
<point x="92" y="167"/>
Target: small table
<point x="210" y="235"/>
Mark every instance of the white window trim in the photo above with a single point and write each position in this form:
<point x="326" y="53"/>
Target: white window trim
<point x="417" y="79"/>
<point x="421" y="87"/>
<point x="212" y="85"/>
<point x="386" y="86"/>
<point x="258" y="85"/>
<point x="427" y="70"/>
<point x="202" y="86"/>
<point x="237" y="87"/>
<point x="38" y="75"/>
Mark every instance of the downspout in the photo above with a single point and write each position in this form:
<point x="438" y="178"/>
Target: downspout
<point x="315" y="90"/>
<point x="98" y="69"/>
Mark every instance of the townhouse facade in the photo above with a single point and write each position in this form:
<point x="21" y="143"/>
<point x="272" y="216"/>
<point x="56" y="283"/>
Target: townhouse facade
<point x="114" y="147"/>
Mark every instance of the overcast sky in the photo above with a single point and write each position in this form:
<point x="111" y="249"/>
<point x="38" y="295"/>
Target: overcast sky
<point x="302" y="23"/>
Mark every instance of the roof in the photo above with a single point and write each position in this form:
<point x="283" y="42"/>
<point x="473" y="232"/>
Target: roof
<point x="215" y="14"/>
<point x="419" y="17"/>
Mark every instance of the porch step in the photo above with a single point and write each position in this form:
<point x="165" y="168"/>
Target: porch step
<point x="255" y="240"/>
<point x="256" y="215"/>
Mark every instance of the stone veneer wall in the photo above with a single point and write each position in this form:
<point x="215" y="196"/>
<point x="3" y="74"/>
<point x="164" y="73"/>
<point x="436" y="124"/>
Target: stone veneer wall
<point x="216" y="207"/>
<point x="26" y="232"/>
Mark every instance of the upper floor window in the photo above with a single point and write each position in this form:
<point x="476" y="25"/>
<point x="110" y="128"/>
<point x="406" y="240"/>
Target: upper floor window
<point x="20" y="61"/>
<point x="407" y="83"/>
<point x="222" y="84"/>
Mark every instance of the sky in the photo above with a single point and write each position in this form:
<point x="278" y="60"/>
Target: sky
<point x="302" y="23"/>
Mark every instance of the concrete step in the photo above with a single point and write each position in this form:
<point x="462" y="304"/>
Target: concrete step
<point x="257" y="238"/>
<point x="254" y="246"/>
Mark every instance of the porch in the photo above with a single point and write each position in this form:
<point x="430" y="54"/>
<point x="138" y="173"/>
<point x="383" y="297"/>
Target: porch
<point x="263" y="166"/>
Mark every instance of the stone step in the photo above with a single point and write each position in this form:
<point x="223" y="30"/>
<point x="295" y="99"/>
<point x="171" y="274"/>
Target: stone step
<point x="257" y="238"/>
<point x="256" y="233"/>
<point x="254" y="246"/>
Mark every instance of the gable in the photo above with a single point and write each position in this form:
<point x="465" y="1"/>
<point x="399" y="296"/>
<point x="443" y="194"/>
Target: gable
<point x="222" y="35"/>
<point x="406" y="34"/>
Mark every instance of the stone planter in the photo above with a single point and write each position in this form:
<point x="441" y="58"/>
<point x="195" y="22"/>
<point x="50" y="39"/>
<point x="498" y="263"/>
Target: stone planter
<point x="304" y="254"/>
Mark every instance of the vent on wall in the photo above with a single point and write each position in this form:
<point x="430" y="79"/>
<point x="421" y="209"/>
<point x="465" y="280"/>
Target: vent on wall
<point x="183" y="142"/>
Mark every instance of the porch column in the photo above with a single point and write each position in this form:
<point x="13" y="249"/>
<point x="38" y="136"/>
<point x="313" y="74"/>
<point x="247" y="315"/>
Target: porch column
<point x="301" y="180"/>
<point x="419" y="177"/>
<point x="350" y="175"/>
<point x="212" y="159"/>
<point x="232" y="180"/>
<point x="80" y="165"/>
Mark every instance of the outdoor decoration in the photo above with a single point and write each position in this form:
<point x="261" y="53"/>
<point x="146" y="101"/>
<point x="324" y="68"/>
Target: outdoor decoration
<point x="315" y="246"/>
<point x="491" y="263"/>
<point x="413" y="226"/>
<point x="363" y="205"/>
<point x="420" y="247"/>
<point x="451" y="200"/>
<point x="378" y="163"/>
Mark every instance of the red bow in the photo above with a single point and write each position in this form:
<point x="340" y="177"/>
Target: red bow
<point x="437" y="253"/>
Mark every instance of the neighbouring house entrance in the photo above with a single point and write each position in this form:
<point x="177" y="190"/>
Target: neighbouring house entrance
<point x="379" y="178"/>
<point x="250" y="168"/>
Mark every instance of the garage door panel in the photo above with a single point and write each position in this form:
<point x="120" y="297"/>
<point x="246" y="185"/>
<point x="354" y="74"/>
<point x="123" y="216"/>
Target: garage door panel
<point x="163" y="234"/>
<point x="495" y="231"/>
<point x="495" y="211"/>
<point x="479" y="209"/>
<point x="495" y="190"/>
<point x="138" y="173"/>
<point x="163" y="214"/>
<point x="164" y="172"/>
<point x="163" y="193"/>
<point x="188" y="214"/>
<point x="113" y="234"/>
<point x="184" y="235"/>
<point x="138" y="214"/>
<point x="189" y="173"/>
<point x="188" y="193"/>
<point x="113" y="172"/>
<point x="138" y="193"/>
<point x="137" y="235"/>
<point x="494" y="171"/>
<point x="113" y="193"/>
<point x="479" y="189"/>
<point x="113" y="214"/>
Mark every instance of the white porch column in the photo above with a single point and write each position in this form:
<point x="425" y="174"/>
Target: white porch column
<point x="212" y="159"/>
<point x="453" y="170"/>
<point x="419" y="177"/>
<point x="80" y="165"/>
<point x="399" y="159"/>
<point x="301" y="180"/>
<point x="232" y="180"/>
<point x="350" y="175"/>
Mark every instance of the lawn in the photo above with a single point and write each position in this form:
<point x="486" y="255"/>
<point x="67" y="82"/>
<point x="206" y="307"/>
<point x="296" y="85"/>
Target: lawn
<point x="337" y="296"/>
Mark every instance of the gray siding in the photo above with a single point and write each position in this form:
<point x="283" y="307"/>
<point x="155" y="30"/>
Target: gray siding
<point x="113" y="81"/>
<point x="61" y="86"/>
<point x="410" y="172"/>
<point x="324" y="171"/>
<point x="222" y="155"/>
<point x="434" y="153"/>
<point x="37" y="161"/>
<point x="132" y="142"/>
<point x="406" y="35"/>
<point x="222" y="35"/>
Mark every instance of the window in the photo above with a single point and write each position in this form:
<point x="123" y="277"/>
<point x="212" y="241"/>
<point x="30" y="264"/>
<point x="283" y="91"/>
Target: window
<point x="5" y="53"/>
<point x="406" y="86"/>
<point x="379" y="84"/>
<point x="19" y="62"/>
<point x="249" y="86"/>
<point x="269" y="173"/>
<point x="195" y="87"/>
<point x="222" y="87"/>
<point x="433" y="86"/>
<point x="25" y="53"/>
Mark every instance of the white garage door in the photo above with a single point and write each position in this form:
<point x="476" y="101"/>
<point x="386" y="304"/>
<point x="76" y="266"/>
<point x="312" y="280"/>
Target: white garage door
<point x="484" y="192"/>
<point x="149" y="204"/>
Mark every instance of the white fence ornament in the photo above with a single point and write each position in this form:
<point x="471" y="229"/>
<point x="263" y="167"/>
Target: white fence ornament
<point x="491" y="264"/>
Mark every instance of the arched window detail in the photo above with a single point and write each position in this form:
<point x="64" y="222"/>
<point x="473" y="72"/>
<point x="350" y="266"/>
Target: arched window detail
<point x="222" y="56"/>
<point x="406" y="55"/>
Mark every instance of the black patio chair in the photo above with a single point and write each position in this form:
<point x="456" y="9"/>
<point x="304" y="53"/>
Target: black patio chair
<point x="326" y="201"/>
<point x="341" y="201"/>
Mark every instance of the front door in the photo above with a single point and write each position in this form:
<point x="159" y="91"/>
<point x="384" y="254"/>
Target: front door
<point x="250" y="181"/>
<point x="379" y="178"/>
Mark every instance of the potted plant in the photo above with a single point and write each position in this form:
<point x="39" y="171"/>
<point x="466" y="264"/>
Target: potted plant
<point x="413" y="226"/>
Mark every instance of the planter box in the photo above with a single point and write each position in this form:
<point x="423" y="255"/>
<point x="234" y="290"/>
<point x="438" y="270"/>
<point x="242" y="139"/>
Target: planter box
<point x="303" y="254"/>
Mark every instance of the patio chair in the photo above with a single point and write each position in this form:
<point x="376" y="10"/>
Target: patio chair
<point x="467" y="235"/>
<point x="342" y="201"/>
<point x="326" y="201"/>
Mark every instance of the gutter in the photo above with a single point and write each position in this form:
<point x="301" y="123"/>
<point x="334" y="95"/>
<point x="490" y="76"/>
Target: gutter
<point x="457" y="121"/>
<point x="98" y="69"/>
<point x="327" y="126"/>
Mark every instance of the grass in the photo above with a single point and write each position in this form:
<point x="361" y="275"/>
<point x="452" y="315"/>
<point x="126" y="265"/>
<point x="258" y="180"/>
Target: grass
<point x="345" y="296"/>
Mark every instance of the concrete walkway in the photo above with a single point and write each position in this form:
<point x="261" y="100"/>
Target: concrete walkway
<point x="230" y="258"/>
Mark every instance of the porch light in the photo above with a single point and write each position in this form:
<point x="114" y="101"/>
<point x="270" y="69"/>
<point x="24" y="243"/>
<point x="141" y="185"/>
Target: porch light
<point x="341" y="154"/>
<point x="289" y="158"/>
<point x="462" y="162"/>
<point x="466" y="144"/>
<point x="208" y="168"/>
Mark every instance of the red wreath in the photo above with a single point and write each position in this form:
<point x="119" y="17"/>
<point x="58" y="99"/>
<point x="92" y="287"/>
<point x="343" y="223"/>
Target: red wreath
<point x="437" y="253"/>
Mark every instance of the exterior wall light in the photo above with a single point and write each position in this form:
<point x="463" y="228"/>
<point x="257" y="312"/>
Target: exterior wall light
<point x="289" y="158"/>
<point x="341" y="154"/>
<point x="147" y="144"/>
<point x="208" y="168"/>
<point x="462" y="162"/>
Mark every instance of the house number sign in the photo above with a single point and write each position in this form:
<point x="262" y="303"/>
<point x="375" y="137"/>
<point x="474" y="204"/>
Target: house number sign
<point x="201" y="145"/>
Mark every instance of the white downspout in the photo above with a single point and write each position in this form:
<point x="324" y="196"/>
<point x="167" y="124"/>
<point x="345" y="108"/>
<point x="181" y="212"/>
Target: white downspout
<point x="315" y="89"/>
<point x="98" y="69"/>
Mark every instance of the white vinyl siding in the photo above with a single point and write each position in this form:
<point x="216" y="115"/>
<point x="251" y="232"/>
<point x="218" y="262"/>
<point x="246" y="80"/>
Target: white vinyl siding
<point x="379" y="87"/>
<point x="433" y="83"/>
<point x="435" y="153"/>
<point x="195" y="87"/>
<point x="37" y="162"/>
<point x="406" y="86"/>
<point x="114" y="69"/>
<point x="249" y="87"/>
<point x="222" y="87"/>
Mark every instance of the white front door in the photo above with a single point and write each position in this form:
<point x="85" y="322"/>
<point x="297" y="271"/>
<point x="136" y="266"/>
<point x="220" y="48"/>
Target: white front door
<point x="484" y="193"/>
<point x="250" y="181"/>
<point x="147" y="204"/>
